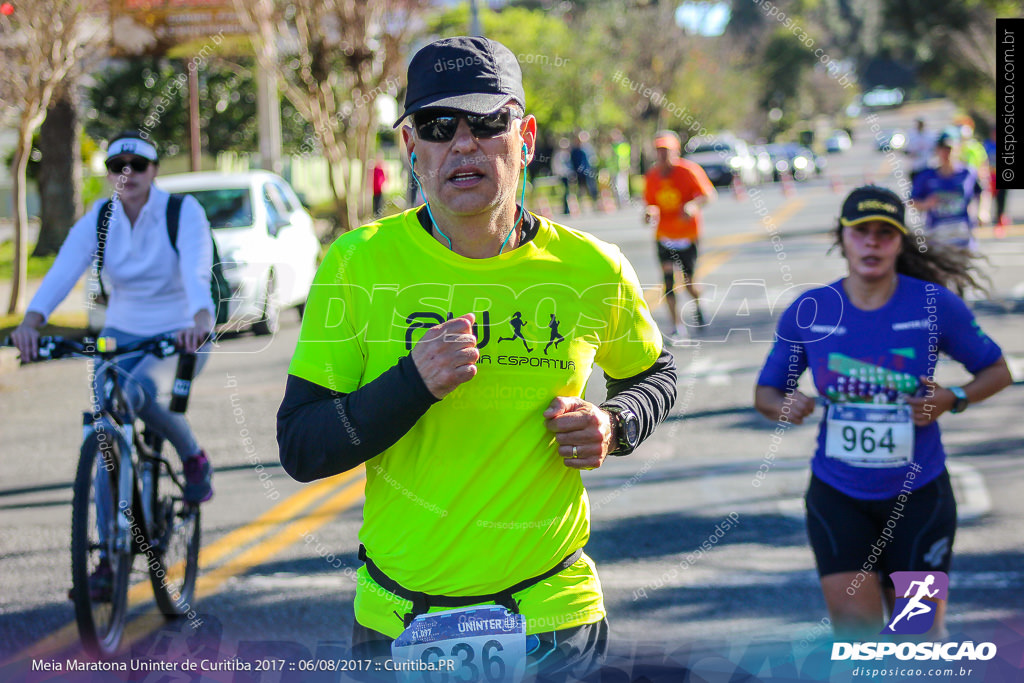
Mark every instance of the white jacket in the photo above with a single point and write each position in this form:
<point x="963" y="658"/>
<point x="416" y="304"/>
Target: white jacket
<point x="152" y="289"/>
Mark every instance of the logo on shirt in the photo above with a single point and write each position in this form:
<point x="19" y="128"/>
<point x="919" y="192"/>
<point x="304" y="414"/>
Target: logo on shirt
<point x="422" y="320"/>
<point x="517" y="324"/>
<point x="914" y="613"/>
<point x="910" y="325"/>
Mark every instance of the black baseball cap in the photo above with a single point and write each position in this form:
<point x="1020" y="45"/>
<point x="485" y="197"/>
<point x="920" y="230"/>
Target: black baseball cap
<point x="873" y="203"/>
<point x="467" y="73"/>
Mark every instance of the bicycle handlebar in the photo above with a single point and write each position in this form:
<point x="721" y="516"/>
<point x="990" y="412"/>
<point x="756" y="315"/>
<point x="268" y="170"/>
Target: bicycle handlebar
<point x="54" y="348"/>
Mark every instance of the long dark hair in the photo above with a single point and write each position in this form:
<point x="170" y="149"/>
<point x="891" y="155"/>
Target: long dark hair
<point x="952" y="267"/>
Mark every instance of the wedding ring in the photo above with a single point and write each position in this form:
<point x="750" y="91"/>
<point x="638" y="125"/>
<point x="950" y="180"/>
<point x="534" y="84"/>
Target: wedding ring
<point x="574" y="453"/>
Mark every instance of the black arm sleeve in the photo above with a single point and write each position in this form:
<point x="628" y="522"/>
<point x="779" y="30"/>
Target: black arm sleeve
<point x="650" y="394"/>
<point x="321" y="432"/>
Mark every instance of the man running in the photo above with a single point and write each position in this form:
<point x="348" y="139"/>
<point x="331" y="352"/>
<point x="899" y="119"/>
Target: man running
<point x="474" y="500"/>
<point x="676" y="191"/>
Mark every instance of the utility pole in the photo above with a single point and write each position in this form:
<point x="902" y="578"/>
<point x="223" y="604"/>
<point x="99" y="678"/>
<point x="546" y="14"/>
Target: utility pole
<point x="474" y="20"/>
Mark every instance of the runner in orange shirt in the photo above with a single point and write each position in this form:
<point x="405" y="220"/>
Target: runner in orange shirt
<point x="676" y="191"/>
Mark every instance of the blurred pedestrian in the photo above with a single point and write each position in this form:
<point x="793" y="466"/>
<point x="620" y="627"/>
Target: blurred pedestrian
<point x="676" y="190"/>
<point x="581" y="155"/>
<point x="621" y="166"/>
<point x="561" y="168"/>
<point x="948" y="193"/>
<point x="998" y="213"/>
<point x="920" y="146"/>
<point x="379" y="178"/>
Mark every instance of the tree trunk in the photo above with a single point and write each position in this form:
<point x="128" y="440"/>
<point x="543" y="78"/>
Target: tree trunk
<point x="342" y="224"/>
<point x="19" y="279"/>
<point x="60" y="175"/>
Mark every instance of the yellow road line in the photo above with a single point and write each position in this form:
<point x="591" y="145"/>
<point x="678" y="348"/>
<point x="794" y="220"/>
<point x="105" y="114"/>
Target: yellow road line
<point x="284" y="511"/>
<point x="711" y="263"/>
<point x="989" y="233"/>
<point x="784" y="213"/>
<point x="211" y="582"/>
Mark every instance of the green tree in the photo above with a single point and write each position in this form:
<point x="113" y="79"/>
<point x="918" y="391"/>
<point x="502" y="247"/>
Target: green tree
<point x="340" y="56"/>
<point x="122" y="96"/>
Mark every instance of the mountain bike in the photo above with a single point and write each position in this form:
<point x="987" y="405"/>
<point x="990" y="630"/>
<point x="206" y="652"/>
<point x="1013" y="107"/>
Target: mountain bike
<point x="128" y="500"/>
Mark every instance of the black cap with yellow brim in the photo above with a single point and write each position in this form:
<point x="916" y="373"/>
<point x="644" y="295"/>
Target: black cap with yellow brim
<point x="873" y="203"/>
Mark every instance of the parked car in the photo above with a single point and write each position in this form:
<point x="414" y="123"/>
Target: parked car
<point x="891" y="139"/>
<point x="839" y="141"/>
<point x="265" y="238"/>
<point x="723" y="157"/>
<point x="800" y="162"/>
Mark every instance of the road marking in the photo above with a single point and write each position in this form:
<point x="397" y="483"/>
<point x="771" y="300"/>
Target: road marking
<point x="280" y="513"/>
<point x="784" y="213"/>
<point x="209" y="583"/>
<point x="231" y="542"/>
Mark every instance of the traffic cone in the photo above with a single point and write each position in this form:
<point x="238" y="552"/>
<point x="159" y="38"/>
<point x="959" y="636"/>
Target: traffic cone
<point x="542" y="207"/>
<point x="607" y="201"/>
<point x="574" y="205"/>
<point x="788" y="189"/>
<point x="738" y="190"/>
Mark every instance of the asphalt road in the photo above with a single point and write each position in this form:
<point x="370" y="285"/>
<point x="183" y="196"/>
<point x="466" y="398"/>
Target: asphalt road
<point x="271" y="584"/>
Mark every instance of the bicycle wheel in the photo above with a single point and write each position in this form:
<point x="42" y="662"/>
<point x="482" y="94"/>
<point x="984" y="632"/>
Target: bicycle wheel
<point x="100" y="596"/>
<point x="174" y="565"/>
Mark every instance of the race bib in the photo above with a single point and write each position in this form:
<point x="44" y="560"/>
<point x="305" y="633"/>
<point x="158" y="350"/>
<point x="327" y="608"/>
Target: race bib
<point x="486" y="644"/>
<point x="870" y="435"/>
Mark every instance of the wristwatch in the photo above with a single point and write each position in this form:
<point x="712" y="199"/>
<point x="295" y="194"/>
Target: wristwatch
<point x="961" y="399"/>
<point x="626" y="430"/>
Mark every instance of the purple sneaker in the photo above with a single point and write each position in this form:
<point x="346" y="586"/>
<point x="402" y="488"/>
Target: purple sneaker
<point x="198" y="473"/>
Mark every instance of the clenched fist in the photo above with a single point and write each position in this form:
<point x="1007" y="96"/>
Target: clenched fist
<point x="446" y="355"/>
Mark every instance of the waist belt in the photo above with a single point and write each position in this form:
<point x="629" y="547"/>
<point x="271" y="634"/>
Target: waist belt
<point x="422" y="602"/>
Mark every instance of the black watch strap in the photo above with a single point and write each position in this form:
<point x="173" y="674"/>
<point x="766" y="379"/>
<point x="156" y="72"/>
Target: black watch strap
<point x="626" y="430"/>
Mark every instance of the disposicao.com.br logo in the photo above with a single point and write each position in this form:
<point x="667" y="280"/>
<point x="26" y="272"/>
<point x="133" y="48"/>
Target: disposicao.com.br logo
<point x="918" y="595"/>
<point x="921" y="652"/>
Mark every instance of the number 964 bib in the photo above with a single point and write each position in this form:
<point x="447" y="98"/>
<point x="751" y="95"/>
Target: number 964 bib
<point x="485" y="644"/>
<point x="870" y="435"/>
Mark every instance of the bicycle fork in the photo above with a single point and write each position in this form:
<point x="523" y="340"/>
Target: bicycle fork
<point x="107" y="432"/>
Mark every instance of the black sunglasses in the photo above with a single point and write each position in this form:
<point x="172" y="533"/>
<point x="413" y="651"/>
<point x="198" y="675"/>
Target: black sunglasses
<point x="440" y="125"/>
<point x="137" y="164"/>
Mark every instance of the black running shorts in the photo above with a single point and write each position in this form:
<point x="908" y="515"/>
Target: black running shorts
<point x="852" y="535"/>
<point x="686" y="258"/>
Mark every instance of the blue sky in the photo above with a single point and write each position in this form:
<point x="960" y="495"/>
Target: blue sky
<point x="706" y="18"/>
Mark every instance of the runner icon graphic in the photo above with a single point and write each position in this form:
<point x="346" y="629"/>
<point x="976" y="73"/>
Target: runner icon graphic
<point x="915" y="606"/>
<point x="517" y="324"/>
<point x="555" y="337"/>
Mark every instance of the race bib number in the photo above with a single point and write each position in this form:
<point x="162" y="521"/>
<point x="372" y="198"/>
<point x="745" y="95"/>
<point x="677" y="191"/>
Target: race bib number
<point x="870" y="435"/>
<point x="486" y="644"/>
